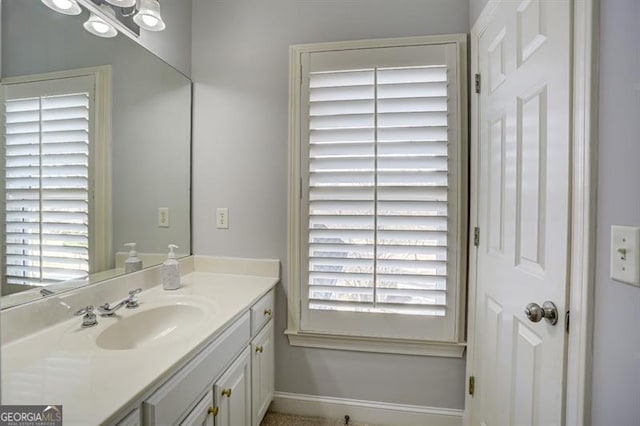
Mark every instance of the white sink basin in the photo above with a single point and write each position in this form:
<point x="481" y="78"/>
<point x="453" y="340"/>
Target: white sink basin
<point x="150" y="327"/>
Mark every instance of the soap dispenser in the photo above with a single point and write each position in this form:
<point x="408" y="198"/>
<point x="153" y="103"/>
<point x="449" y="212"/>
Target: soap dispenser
<point x="133" y="262"/>
<point x="171" y="270"/>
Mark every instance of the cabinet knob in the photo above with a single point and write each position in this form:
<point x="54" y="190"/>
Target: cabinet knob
<point x="267" y="312"/>
<point x="259" y="349"/>
<point x="213" y="410"/>
<point x="226" y="392"/>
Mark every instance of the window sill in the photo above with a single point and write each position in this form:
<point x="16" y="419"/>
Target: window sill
<point x="379" y="345"/>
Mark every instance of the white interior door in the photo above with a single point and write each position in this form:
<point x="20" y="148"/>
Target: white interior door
<point x="523" y="199"/>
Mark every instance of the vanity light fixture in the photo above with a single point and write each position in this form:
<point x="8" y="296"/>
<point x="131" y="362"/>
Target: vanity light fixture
<point x="98" y="26"/>
<point x="148" y="16"/>
<point x="66" y="7"/>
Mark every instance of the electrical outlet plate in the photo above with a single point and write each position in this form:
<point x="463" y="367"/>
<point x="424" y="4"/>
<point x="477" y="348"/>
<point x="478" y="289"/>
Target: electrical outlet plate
<point x="163" y="217"/>
<point x="222" y="218"/>
<point x="625" y="254"/>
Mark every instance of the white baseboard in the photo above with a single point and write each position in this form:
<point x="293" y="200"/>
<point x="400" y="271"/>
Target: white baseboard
<point x="379" y="413"/>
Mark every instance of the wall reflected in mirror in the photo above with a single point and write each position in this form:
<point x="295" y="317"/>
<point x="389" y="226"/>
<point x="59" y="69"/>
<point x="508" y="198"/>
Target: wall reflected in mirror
<point x="96" y="153"/>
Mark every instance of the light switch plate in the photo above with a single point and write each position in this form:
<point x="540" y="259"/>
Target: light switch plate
<point x="625" y="254"/>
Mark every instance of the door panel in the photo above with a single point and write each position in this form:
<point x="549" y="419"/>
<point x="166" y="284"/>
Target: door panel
<point x="526" y="368"/>
<point x="523" y="210"/>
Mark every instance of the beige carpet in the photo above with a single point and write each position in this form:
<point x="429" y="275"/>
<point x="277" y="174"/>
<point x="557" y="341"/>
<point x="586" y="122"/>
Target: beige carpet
<point x="279" y="419"/>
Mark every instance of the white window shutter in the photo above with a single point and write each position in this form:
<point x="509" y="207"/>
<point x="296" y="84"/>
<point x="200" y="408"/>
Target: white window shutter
<point x="380" y="166"/>
<point x="341" y="190"/>
<point x="46" y="188"/>
<point x="378" y="190"/>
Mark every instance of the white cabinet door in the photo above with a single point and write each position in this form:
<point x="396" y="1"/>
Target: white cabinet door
<point x="232" y="393"/>
<point x="262" y="372"/>
<point x="202" y="414"/>
<point x="179" y="393"/>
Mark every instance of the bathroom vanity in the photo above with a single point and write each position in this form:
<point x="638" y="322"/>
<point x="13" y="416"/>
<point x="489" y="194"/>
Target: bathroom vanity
<point x="238" y="395"/>
<point x="202" y="354"/>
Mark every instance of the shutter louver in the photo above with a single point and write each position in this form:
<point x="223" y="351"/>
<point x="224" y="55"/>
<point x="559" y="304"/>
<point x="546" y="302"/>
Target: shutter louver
<point x="378" y="190"/>
<point x="47" y="189"/>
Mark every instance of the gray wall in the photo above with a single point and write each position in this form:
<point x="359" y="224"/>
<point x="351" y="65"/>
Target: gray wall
<point x="616" y="370"/>
<point x="475" y="7"/>
<point x="240" y="72"/>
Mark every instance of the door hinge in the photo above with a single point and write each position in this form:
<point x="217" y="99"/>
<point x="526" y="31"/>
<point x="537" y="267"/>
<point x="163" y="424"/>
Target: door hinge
<point x="567" y="316"/>
<point x="301" y="188"/>
<point x="472" y="385"/>
<point x="476" y="236"/>
<point x="477" y="79"/>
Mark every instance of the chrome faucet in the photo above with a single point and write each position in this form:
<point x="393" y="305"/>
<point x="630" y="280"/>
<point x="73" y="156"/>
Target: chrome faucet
<point x="130" y="302"/>
<point x="107" y="310"/>
<point x="89" y="318"/>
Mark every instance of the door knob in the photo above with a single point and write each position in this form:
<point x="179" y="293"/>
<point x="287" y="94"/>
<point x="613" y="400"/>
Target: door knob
<point x="548" y="311"/>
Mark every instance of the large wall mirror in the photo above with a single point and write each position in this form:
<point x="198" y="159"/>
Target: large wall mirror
<point x="96" y="139"/>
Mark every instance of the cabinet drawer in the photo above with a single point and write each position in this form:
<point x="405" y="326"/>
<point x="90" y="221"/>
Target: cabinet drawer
<point x="132" y="419"/>
<point x="261" y="312"/>
<point x="200" y="415"/>
<point x="175" y="396"/>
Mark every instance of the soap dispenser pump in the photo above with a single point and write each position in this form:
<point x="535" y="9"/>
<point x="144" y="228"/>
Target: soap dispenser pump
<point x="171" y="270"/>
<point x="133" y="262"/>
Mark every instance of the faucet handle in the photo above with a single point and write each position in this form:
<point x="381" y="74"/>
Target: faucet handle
<point x="86" y="310"/>
<point x="89" y="318"/>
<point x="132" y="301"/>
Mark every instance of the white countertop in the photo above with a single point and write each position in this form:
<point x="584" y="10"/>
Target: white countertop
<point x="62" y="365"/>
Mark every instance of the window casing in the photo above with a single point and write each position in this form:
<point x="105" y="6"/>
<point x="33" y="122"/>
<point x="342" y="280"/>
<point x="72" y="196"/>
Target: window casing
<point x="378" y="152"/>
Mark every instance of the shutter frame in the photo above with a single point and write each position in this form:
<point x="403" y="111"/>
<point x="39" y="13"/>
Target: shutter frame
<point x="339" y="331"/>
<point x="398" y="176"/>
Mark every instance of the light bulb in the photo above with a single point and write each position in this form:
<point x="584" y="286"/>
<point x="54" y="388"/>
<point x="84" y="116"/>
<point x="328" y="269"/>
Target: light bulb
<point x="66" y="7"/>
<point x="150" y="20"/>
<point x="98" y="26"/>
<point x="148" y="16"/>
<point x="63" y="4"/>
<point x="101" y="27"/>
